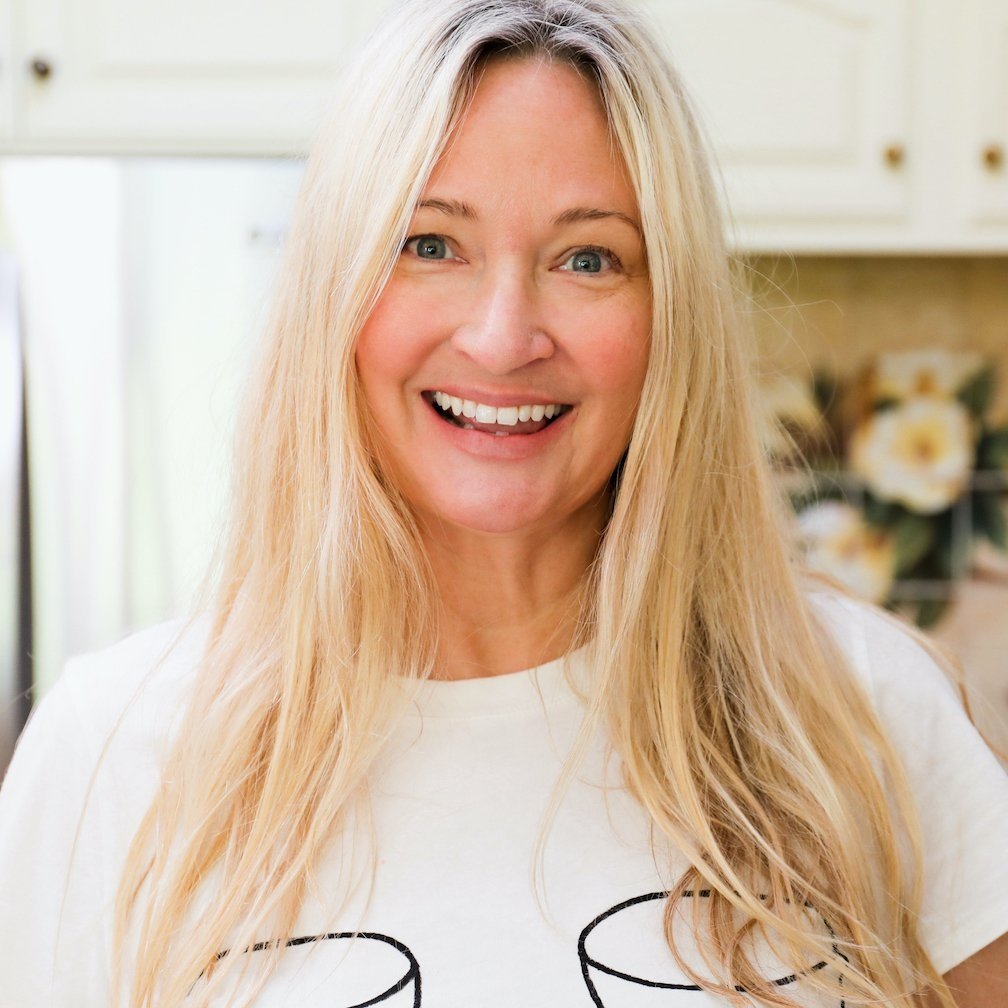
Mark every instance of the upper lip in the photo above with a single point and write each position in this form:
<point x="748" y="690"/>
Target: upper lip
<point x="519" y="398"/>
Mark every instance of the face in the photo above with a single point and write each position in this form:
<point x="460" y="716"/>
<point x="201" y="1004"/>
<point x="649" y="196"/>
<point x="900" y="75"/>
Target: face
<point x="503" y="365"/>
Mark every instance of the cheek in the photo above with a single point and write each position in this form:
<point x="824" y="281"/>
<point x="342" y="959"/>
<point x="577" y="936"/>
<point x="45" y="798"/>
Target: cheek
<point x="617" y="354"/>
<point x="388" y="347"/>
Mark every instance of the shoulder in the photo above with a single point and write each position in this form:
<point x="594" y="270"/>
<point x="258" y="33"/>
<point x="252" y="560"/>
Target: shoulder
<point x="126" y="695"/>
<point x="174" y="645"/>
<point x="894" y="661"/>
<point x="97" y="741"/>
<point x="156" y="665"/>
<point x="958" y="787"/>
<point x="82" y="775"/>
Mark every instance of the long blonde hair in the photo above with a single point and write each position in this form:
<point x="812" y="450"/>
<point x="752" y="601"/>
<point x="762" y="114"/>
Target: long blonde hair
<point x="740" y="731"/>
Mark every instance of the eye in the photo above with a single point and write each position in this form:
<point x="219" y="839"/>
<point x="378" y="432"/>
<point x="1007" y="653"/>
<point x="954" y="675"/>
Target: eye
<point x="428" y="247"/>
<point x="591" y="259"/>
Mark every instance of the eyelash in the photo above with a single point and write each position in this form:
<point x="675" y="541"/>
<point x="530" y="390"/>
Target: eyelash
<point x="426" y="234"/>
<point x="599" y="249"/>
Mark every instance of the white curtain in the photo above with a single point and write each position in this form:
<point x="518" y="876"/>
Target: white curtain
<point x="143" y="285"/>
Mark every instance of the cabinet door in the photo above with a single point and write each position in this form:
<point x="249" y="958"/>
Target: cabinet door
<point x="200" y="76"/>
<point x="806" y="104"/>
<point x="981" y="150"/>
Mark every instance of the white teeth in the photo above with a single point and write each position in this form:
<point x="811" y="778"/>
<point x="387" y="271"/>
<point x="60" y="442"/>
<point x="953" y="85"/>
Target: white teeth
<point x="508" y="416"/>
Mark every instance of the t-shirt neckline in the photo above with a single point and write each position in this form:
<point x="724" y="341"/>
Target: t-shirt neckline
<point x="532" y="689"/>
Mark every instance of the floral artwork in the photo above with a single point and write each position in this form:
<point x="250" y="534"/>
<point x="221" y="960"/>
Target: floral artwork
<point x="838" y="541"/>
<point x="918" y="453"/>
<point x="895" y="475"/>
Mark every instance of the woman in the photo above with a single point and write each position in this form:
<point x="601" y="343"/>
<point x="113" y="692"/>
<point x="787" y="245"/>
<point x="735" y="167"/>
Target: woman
<point x="509" y="692"/>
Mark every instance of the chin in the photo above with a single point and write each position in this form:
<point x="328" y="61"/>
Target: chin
<point x="492" y="514"/>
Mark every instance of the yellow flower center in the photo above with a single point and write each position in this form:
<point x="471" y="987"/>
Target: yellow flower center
<point x="922" y="443"/>
<point x="924" y="451"/>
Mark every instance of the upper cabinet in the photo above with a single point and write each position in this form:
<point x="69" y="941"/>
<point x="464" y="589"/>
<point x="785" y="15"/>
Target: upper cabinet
<point x="852" y="125"/>
<point x="839" y="125"/>
<point x="808" y="107"/>
<point x="186" y="76"/>
<point x="981" y="149"/>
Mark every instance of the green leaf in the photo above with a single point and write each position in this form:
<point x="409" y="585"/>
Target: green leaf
<point x="989" y="518"/>
<point x="952" y="549"/>
<point x="825" y="389"/>
<point x="885" y="403"/>
<point x="879" y="512"/>
<point x="976" y="394"/>
<point x="992" y="452"/>
<point x="818" y="487"/>
<point x="913" y="536"/>
<point x="801" y="501"/>
<point x="930" y="610"/>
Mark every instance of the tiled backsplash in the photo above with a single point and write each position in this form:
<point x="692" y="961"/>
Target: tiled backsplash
<point x="839" y="312"/>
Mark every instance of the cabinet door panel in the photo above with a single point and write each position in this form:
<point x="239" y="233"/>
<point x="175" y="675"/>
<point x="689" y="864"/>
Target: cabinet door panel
<point x="802" y="99"/>
<point x="206" y="76"/>
<point x="223" y="36"/>
<point x="982" y="151"/>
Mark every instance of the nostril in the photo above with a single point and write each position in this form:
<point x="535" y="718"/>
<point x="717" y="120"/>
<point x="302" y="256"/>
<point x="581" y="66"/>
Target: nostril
<point x="501" y="346"/>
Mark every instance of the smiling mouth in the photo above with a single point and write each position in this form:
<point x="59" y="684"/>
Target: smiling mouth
<point x="502" y="421"/>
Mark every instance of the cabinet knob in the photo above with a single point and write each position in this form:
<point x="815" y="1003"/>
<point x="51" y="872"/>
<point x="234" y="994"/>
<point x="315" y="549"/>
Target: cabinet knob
<point x="994" y="156"/>
<point x="895" y="155"/>
<point x="41" y="68"/>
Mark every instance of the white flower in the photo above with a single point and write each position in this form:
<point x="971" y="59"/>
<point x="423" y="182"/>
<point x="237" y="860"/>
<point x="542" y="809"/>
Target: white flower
<point x="790" y="399"/>
<point x="838" y="542"/>
<point x="919" y="453"/>
<point x="931" y="372"/>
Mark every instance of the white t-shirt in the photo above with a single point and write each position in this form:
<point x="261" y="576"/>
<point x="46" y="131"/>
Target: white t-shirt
<point x="458" y="796"/>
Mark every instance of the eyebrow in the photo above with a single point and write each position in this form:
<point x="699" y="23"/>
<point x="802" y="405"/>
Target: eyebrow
<point x="458" y="208"/>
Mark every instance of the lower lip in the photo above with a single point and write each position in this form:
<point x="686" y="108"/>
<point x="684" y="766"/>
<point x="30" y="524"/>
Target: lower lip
<point x="493" y="446"/>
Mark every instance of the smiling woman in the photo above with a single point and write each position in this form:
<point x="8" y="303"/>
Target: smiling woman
<point x="522" y="294"/>
<point x="507" y="688"/>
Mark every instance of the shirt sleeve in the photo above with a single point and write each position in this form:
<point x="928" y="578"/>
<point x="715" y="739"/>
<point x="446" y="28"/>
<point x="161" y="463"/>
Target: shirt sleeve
<point x="959" y="786"/>
<point x="52" y="893"/>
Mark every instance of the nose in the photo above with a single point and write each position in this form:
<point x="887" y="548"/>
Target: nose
<point x="503" y="329"/>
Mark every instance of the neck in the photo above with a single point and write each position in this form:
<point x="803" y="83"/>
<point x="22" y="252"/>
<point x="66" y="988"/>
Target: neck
<point x="509" y="601"/>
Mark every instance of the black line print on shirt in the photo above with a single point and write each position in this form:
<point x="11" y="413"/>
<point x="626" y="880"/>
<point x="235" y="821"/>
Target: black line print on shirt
<point x="612" y="987"/>
<point x="385" y="971"/>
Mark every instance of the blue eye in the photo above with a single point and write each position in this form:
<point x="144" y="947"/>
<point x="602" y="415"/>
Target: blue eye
<point x="429" y="247"/>
<point x="591" y="260"/>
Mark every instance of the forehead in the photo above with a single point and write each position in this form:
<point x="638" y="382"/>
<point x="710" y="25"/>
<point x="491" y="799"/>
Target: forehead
<point x="534" y="129"/>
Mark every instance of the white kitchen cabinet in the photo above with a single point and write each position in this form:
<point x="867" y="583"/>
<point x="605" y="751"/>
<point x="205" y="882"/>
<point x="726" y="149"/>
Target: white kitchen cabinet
<point x="807" y="104"/>
<point x="861" y="126"/>
<point x="981" y="148"/>
<point x="190" y="76"/>
<point x="853" y="126"/>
